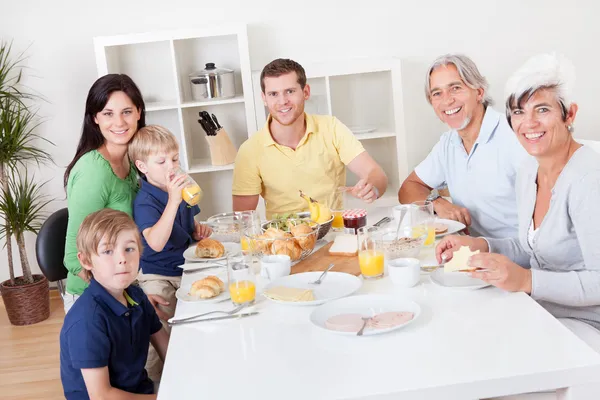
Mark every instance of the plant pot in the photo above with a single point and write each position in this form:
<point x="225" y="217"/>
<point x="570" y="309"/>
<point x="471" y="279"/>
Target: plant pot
<point x="28" y="303"/>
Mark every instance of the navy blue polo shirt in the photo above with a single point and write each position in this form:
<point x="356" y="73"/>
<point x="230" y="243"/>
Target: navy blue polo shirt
<point x="99" y="332"/>
<point x="148" y="207"/>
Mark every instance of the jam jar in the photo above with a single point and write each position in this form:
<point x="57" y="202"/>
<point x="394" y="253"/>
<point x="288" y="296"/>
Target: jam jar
<point x="354" y="219"/>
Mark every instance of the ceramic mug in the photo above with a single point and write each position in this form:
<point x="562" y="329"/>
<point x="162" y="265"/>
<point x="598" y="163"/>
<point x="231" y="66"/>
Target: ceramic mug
<point x="275" y="266"/>
<point x="405" y="272"/>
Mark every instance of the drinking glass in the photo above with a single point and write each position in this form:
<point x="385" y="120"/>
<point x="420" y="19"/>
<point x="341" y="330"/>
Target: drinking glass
<point x="337" y="208"/>
<point x="371" y="258"/>
<point x="248" y="225"/>
<point x="241" y="280"/>
<point x="191" y="193"/>
<point x="422" y="220"/>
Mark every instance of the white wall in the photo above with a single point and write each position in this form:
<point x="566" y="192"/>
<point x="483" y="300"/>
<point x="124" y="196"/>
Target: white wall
<point x="499" y="35"/>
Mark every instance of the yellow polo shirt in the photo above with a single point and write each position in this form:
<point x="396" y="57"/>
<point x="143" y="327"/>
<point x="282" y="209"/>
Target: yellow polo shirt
<point x="278" y="173"/>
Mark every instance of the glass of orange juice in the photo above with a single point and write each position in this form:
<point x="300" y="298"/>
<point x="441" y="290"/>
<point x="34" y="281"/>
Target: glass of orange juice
<point x="422" y="220"/>
<point x="191" y="193"/>
<point x="248" y="225"/>
<point x="241" y="281"/>
<point x="370" y="252"/>
<point x="337" y="208"/>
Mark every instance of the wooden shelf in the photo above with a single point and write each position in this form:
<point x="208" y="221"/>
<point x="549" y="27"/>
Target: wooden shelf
<point x="232" y="100"/>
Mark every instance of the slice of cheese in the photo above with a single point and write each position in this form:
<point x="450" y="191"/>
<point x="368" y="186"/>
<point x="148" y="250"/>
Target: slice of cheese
<point x="284" y="293"/>
<point x="460" y="260"/>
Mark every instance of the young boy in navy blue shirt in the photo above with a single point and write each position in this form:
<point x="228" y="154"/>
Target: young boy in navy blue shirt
<point x="105" y="336"/>
<point x="166" y="222"/>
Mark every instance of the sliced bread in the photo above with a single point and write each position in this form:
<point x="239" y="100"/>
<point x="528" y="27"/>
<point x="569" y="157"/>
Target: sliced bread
<point x="344" y="245"/>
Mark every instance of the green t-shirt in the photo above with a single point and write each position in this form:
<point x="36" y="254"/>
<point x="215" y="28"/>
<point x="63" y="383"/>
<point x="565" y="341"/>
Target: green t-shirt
<point x="93" y="186"/>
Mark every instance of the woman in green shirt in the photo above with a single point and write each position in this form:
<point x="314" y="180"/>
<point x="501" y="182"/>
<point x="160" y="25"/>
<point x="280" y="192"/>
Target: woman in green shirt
<point x="101" y="175"/>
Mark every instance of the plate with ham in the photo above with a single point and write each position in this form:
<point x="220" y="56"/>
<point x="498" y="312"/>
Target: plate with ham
<point x="385" y="313"/>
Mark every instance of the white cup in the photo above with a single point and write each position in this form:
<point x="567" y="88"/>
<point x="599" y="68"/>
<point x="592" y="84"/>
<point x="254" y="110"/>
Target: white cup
<point x="275" y="266"/>
<point x="405" y="272"/>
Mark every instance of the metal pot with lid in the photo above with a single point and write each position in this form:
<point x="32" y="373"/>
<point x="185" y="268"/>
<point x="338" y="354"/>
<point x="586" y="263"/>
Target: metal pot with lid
<point x="212" y="83"/>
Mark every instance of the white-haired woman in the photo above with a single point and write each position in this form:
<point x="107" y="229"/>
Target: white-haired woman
<point x="558" y="192"/>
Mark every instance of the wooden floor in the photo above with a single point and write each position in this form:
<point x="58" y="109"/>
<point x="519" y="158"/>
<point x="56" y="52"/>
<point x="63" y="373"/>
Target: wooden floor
<point x="29" y="356"/>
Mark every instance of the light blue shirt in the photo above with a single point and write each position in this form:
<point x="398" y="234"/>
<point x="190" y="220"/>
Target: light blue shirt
<point x="483" y="181"/>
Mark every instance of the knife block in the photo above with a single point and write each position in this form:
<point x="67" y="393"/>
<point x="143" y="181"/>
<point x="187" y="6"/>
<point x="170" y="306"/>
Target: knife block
<point x="222" y="151"/>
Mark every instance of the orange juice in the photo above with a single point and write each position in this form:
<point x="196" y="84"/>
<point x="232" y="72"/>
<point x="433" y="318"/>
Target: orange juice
<point x="371" y="263"/>
<point x="338" y="220"/>
<point x="421" y="230"/>
<point x="245" y="244"/>
<point x="242" y="291"/>
<point x="192" y="194"/>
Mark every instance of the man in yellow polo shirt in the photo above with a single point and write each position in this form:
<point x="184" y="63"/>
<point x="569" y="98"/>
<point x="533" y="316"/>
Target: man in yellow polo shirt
<point x="296" y="151"/>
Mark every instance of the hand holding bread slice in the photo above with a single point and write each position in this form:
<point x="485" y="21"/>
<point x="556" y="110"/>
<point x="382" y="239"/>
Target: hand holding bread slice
<point x="460" y="260"/>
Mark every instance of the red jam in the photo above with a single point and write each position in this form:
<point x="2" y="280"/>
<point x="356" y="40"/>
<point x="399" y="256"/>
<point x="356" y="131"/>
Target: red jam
<point x="355" y="219"/>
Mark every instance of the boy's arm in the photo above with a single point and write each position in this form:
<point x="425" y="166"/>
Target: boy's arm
<point x="160" y="342"/>
<point x="157" y="235"/>
<point x="98" y="386"/>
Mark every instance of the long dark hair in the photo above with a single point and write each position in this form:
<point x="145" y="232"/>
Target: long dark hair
<point x="91" y="137"/>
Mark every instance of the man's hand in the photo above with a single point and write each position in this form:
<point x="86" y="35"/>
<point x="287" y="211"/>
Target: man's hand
<point x="364" y="191"/>
<point x="446" y="210"/>
<point x="500" y="271"/>
<point x="201" y="231"/>
<point x="156" y="300"/>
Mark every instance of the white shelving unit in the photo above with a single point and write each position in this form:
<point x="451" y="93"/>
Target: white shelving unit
<point x="366" y="95"/>
<point x="159" y="63"/>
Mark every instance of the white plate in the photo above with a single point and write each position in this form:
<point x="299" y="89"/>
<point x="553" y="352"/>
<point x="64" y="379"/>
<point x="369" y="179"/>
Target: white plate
<point x="231" y="249"/>
<point x="334" y="286"/>
<point x="453" y="226"/>
<point x="362" y="129"/>
<point x="456" y="280"/>
<point x="368" y="305"/>
<point x="183" y="293"/>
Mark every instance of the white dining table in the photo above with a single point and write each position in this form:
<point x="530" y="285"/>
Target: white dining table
<point x="466" y="344"/>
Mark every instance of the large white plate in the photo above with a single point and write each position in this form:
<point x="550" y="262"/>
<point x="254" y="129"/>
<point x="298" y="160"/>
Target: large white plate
<point x="231" y="249"/>
<point x="183" y="293"/>
<point x="453" y="226"/>
<point x="456" y="280"/>
<point x="334" y="286"/>
<point x="368" y="305"/>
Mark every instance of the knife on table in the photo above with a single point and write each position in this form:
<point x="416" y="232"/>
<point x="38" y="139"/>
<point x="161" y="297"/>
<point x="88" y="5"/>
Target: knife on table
<point x="236" y="316"/>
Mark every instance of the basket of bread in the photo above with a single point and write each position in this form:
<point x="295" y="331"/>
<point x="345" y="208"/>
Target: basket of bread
<point x="295" y="237"/>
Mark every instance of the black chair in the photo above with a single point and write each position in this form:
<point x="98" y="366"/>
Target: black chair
<point x="50" y="247"/>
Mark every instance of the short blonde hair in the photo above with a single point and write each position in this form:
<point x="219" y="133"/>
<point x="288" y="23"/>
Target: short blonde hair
<point x="150" y="140"/>
<point x="108" y="224"/>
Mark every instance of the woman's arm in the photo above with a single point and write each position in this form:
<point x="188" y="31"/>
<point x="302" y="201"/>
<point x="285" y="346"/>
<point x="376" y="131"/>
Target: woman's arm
<point x="511" y="248"/>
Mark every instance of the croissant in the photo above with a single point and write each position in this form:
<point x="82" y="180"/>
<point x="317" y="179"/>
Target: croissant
<point x="209" y="248"/>
<point x="207" y="287"/>
<point x="303" y="235"/>
<point x="287" y="247"/>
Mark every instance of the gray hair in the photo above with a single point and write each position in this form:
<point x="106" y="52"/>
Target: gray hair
<point x="468" y="73"/>
<point x="543" y="71"/>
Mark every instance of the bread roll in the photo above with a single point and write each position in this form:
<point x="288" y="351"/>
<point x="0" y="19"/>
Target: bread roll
<point x="304" y="236"/>
<point x="209" y="248"/>
<point x="276" y="233"/>
<point x="287" y="247"/>
<point x="263" y="243"/>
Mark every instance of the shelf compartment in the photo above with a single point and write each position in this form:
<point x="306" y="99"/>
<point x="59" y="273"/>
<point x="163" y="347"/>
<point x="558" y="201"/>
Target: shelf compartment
<point x="170" y="120"/>
<point x="157" y="83"/>
<point x="237" y="99"/>
<point x="199" y="166"/>
<point x="191" y="55"/>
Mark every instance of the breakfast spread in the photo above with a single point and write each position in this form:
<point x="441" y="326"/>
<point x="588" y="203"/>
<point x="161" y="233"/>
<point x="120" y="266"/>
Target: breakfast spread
<point x="460" y="259"/>
<point x="300" y="238"/>
<point x="209" y="248"/>
<point x="354" y="322"/>
<point x="283" y="293"/>
<point x="208" y="287"/>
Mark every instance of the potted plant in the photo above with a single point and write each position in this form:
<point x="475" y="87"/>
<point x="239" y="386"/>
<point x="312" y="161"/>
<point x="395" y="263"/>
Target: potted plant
<point x="25" y="297"/>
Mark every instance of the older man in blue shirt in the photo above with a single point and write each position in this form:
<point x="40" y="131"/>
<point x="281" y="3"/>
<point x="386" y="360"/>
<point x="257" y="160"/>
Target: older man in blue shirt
<point x="477" y="158"/>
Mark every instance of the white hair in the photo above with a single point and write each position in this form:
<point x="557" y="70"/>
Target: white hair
<point x="466" y="69"/>
<point x="543" y="71"/>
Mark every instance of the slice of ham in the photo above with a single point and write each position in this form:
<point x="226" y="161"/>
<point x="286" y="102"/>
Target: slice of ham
<point x="345" y="323"/>
<point x="390" y="319"/>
